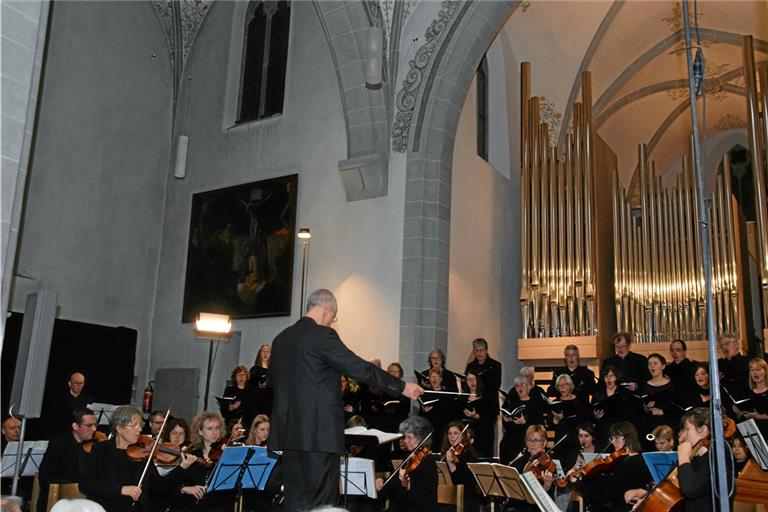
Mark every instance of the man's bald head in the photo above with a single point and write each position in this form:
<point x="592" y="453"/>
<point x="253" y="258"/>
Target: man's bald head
<point x="76" y="383"/>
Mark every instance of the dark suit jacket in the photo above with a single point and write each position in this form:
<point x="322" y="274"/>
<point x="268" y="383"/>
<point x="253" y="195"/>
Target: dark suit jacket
<point x="307" y="363"/>
<point x="61" y="464"/>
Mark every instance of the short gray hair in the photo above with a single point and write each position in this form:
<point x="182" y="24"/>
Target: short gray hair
<point x="567" y="378"/>
<point x="480" y="343"/>
<point x="321" y="297"/>
<point x="77" y="505"/>
<point x="122" y="416"/>
<point x="417" y="426"/>
<point x="520" y="379"/>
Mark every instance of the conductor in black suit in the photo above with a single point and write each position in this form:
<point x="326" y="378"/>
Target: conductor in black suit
<point x="308" y="360"/>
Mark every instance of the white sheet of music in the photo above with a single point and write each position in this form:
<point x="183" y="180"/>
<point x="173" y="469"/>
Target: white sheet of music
<point x="361" y="478"/>
<point x="540" y="496"/>
<point x="31" y="457"/>
<point x="755" y="441"/>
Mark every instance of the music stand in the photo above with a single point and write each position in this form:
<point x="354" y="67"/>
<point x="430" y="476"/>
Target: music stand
<point x="242" y="467"/>
<point x="32" y="451"/>
<point x="357" y="440"/>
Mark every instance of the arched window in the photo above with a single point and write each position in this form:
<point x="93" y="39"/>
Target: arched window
<point x="482" y="109"/>
<point x="265" y="58"/>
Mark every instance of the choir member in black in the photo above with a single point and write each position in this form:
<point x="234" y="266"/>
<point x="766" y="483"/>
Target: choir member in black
<point x="663" y="438"/>
<point x="110" y="478"/>
<point x="733" y="366"/>
<point x="485" y="367"/>
<point x="583" y="378"/>
<point x="439" y="412"/>
<point x="516" y="419"/>
<point x="680" y="369"/>
<point x="176" y="431"/>
<point x="535" y="442"/>
<point x="536" y="391"/>
<point x="694" y="472"/>
<point x="65" y="455"/>
<point x="565" y="415"/>
<point x="415" y="491"/>
<point x="611" y="404"/>
<point x="659" y="407"/>
<point x="397" y="409"/>
<point x="699" y="394"/>
<point x="458" y="451"/>
<point x="190" y="494"/>
<point x="58" y="411"/>
<point x="758" y="390"/>
<point x="606" y="492"/>
<point x="260" y="381"/>
<point x="437" y="360"/>
<point x="350" y="397"/>
<point x="241" y="407"/>
<point x="632" y="367"/>
<point x="480" y="412"/>
<point x="740" y="453"/>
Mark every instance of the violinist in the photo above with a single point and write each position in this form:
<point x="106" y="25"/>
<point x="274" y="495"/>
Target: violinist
<point x="259" y="433"/>
<point x="65" y="455"/>
<point x="415" y="487"/>
<point x="533" y="458"/>
<point x="207" y="432"/>
<point x="176" y="431"/>
<point x="520" y="411"/>
<point x="111" y="478"/>
<point x="457" y="451"/>
<point x="260" y="381"/>
<point x="481" y="414"/>
<point x="694" y="471"/>
<point x="619" y="472"/>
<point x="585" y="432"/>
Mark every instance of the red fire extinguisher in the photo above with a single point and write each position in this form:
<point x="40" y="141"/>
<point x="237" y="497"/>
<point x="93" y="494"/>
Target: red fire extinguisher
<point x="148" y="392"/>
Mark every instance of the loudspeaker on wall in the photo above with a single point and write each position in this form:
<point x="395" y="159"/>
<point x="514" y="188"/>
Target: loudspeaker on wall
<point x="373" y="62"/>
<point x="180" y="170"/>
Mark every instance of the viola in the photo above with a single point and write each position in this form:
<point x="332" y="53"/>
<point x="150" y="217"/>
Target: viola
<point x="539" y="464"/>
<point x="98" y="437"/>
<point x="414" y="462"/>
<point x="168" y="454"/>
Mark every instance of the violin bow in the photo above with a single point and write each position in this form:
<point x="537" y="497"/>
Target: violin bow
<point x="405" y="461"/>
<point x="461" y="438"/>
<point x="154" y="447"/>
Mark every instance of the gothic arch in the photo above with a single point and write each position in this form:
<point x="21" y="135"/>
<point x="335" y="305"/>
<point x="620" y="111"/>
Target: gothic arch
<point x="426" y="236"/>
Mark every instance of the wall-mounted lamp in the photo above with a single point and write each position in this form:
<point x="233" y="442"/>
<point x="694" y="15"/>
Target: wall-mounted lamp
<point x="214" y="328"/>
<point x="304" y="237"/>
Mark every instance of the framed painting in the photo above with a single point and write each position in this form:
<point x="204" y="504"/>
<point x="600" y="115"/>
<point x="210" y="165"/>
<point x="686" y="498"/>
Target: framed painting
<point x="240" y="254"/>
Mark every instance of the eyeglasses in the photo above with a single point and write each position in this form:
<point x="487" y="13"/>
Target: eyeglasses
<point x="89" y="425"/>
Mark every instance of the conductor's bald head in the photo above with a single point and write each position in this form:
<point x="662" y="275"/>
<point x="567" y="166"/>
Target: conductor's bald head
<point x="322" y="307"/>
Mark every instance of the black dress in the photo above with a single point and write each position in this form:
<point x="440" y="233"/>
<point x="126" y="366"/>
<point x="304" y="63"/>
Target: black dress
<point x="261" y="384"/>
<point x="696" y="483"/>
<point x="483" y="426"/>
<point x="473" y="499"/>
<point x="514" y="435"/>
<point x="421" y="496"/>
<point x="665" y="402"/>
<point x="618" y="407"/>
<point x="566" y="438"/>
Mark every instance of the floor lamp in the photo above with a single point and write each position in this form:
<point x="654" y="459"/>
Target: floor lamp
<point x="304" y="238"/>
<point x="213" y="328"/>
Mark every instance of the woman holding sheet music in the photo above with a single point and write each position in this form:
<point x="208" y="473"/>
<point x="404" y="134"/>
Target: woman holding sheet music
<point x="480" y="413"/>
<point x="610" y="404"/>
<point x="756" y="407"/>
<point x="564" y="414"/>
<point x="658" y="398"/>
<point x="519" y="412"/>
<point x="438" y="409"/>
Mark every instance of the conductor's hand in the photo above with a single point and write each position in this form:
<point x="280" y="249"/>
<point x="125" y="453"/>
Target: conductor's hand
<point x="131" y="491"/>
<point x="412" y="390"/>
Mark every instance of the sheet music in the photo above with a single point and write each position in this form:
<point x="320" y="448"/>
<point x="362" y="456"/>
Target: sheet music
<point x="543" y="500"/>
<point x="510" y="482"/>
<point x="360" y="476"/>
<point x="755" y="441"/>
<point x="31" y="457"/>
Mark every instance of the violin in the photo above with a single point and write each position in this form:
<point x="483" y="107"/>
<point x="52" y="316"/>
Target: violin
<point x="166" y="454"/>
<point x="457" y="448"/>
<point x="98" y="437"/>
<point x="414" y="462"/>
<point x="598" y="466"/>
<point x="539" y="464"/>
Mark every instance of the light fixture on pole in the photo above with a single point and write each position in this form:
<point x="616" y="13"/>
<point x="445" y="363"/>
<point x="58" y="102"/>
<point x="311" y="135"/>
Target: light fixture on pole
<point x="304" y="237"/>
<point x="214" y="328"/>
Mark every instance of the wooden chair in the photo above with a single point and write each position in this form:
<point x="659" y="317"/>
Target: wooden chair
<point x="58" y="492"/>
<point x="451" y="495"/>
